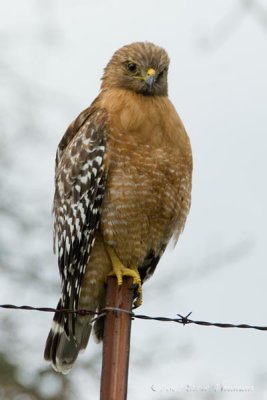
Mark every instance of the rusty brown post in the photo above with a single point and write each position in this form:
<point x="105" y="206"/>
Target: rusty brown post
<point x="116" y="341"/>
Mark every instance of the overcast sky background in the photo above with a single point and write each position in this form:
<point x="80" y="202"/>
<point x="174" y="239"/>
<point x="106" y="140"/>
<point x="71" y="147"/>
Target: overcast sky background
<point x="52" y="55"/>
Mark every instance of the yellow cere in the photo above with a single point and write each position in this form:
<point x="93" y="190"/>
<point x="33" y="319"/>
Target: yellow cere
<point x="151" y="72"/>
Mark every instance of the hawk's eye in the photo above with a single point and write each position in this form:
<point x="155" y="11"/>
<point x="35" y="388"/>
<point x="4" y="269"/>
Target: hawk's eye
<point x="132" y="67"/>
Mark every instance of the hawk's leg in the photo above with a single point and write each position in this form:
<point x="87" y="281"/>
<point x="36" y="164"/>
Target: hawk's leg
<point x="119" y="270"/>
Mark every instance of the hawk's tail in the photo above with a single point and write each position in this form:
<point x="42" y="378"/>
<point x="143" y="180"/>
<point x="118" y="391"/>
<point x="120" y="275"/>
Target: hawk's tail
<point x="62" y="348"/>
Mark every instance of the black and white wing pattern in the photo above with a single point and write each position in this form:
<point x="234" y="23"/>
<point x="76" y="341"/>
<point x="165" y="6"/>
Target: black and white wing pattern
<point x="80" y="186"/>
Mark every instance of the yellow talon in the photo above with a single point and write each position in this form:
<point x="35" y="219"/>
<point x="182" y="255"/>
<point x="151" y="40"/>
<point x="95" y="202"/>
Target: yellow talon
<point x="119" y="270"/>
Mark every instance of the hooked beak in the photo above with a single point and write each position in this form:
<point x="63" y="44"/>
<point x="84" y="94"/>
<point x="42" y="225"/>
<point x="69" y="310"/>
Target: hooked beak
<point x="150" y="78"/>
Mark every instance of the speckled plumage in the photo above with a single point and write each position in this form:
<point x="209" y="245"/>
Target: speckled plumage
<point x="123" y="179"/>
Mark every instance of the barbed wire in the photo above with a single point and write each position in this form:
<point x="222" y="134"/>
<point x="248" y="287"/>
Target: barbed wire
<point x="184" y="320"/>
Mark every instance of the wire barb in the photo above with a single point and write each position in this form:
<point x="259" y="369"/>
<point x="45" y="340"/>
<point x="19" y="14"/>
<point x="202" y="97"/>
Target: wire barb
<point x="185" y="319"/>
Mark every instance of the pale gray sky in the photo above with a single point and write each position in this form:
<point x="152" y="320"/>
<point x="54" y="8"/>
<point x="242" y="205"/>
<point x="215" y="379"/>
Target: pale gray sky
<point x="55" y="52"/>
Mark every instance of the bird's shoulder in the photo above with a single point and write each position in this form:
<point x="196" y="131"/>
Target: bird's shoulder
<point x="127" y="116"/>
<point x="91" y="122"/>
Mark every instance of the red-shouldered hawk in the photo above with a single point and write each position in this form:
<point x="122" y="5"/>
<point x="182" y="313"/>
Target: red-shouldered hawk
<point x="123" y="188"/>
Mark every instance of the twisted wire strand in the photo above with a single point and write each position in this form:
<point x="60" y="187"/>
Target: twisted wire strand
<point x="184" y="320"/>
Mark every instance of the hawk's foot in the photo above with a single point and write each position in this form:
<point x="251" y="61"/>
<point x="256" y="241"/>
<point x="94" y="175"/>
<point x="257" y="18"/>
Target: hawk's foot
<point x="119" y="270"/>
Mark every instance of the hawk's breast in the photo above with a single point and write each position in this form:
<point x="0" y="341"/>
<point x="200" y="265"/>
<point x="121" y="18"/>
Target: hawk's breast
<point x="149" y="180"/>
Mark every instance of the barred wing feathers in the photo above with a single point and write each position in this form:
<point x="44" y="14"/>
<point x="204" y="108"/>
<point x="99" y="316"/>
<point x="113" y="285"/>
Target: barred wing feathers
<point x="80" y="185"/>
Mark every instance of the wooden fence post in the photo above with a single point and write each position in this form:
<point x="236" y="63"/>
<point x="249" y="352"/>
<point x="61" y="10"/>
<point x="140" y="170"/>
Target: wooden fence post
<point x="116" y="341"/>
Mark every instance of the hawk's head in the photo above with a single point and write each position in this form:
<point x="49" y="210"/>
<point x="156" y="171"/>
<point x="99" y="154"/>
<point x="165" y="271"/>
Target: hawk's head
<point x="141" y="67"/>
